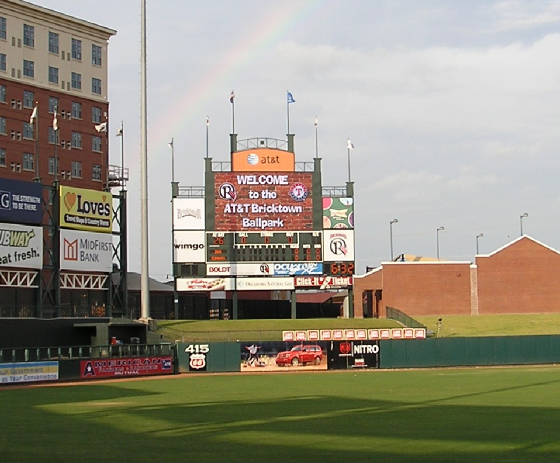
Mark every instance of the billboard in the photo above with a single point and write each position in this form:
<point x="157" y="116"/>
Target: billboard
<point x="125" y="367"/>
<point x="20" y="202"/>
<point x="323" y="282"/>
<point x="277" y="356"/>
<point x="245" y="284"/>
<point x="86" y="251"/>
<point x="263" y="160"/>
<point x="21" y="246"/>
<point x="338" y="245"/>
<point x="338" y="212"/>
<point x="88" y="210"/>
<point x="205" y="284"/>
<point x="353" y="354"/>
<point x="263" y="202"/>
<point x="27" y="372"/>
<point x="188" y="214"/>
<point x="248" y="269"/>
<point x="189" y="246"/>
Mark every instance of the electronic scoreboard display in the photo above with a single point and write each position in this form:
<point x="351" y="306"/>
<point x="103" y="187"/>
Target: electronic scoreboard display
<point x="264" y="246"/>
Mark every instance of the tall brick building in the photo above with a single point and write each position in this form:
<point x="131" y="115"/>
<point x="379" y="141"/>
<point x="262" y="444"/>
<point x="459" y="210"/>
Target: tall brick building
<point x="520" y="277"/>
<point x="52" y="61"/>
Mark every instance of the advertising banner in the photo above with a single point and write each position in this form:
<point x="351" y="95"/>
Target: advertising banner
<point x="263" y="202"/>
<point x="276" y="356"/>
<point x="338" y="213"/>
<point x="21" y="246"/>
<point x="353" y="354"/>
<point x="20" y="202"/>
<point x="205" y="284"/>
<point x="298" y="268"/>
<point x="246" y="269"/>
<point x="86" y="251"/>
<point x="323" y="282"/>
<point x="188" y="214"/>
<point x="27" y="372"/>
<point x="88" y="210"/>
<point x="245" y="284"/>
<point x="338" y="245"/>
<point x="263" y="160"/>
<point x="125" y="367"/>
<point x="188" y="246"/>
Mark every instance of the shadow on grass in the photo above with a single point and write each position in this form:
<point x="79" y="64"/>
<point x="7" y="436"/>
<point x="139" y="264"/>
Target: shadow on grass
<point x="117" y="423"/>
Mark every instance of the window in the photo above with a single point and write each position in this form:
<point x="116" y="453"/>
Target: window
<point x="28" y="35"/>
<point x="2" y="93"/>
<point x="96" y="172"/>
<point x="3" y="130"/>
<point x="76" y="110"/>
<point x="96" y="85"/>
<point x="77" y="49"/>
<point x="76" y="140"/>
<point x="28" y="68"/>
<point x="76" y="81"/>
<point x="52" y="166"/>
<point x="27" y="131"/>
<point x="2" y="61"/>
<point x="53" y="75"/>
<point x="96" y="114"/>
<point x="76" y="169"/>
<point x="28" y="99"/>
<point x="52" y="136"/>
<point x="2" y="157"/>
<point x="27" y="161"/>
<point x="2" y="28"/>
<point x="96" y="144"/>
<point x="53" y="42"/>
<point x="53" y="104"/>
<point x="96" y="55"/>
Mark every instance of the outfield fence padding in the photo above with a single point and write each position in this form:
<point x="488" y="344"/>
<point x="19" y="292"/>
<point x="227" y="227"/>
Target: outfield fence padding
<point x="443" y="352"/>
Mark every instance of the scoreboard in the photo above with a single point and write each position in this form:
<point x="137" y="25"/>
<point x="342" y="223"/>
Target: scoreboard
<point x="264" y="246"/>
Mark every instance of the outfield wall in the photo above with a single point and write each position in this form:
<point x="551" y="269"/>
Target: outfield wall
<point x="446" y="352"/>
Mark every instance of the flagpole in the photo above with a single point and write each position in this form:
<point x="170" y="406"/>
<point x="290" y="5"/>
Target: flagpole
<point x="232" y="100"/>
<point x="348" y="149"/>
<point x="207" y="124"/>
<point x="122" y="155"/>
<point x="316" y="142"/>
<point x="288" y="110"/>
<point x="55" y="146"/>
<point x="36" y="127"/>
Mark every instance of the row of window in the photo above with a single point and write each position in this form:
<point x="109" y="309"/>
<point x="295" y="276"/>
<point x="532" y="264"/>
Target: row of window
<point x="28" y="164"/>
<point x="29" y="102"/>
<point x="54" y="41"/>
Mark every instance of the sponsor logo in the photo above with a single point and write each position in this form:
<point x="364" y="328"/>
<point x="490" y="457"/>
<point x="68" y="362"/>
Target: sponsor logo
<point x="303" y="268"/>
<point x="227" y="191"/>
<point x="70" y="250"/>
<point x="299" y="192"/>
<point x="18" y="239"/>
<point x="192" y="246"/>
<point x="5" y="200"/>
<point x="253" y="159"/>
<point x="196" y="213"/>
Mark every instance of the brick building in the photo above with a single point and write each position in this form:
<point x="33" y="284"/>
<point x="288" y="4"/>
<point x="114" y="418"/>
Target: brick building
<point x="521" y="277"/>
<point x="52" y="61"/>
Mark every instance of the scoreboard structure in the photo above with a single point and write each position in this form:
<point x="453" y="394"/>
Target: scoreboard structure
<point x="263" y="222"/>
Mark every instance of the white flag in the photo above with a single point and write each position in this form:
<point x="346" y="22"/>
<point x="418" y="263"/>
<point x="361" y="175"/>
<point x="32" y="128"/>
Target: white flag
<point x="101" y="127"/>
<point x="33" y="115"/>
<point x="349" y="144"/>
<point x="120" y="132"/>
<point x="55" y="121"/>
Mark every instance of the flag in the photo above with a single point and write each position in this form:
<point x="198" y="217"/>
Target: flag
<point x="207" y="121"/>
<point x="291" y="98"/>
<point x="349" y="144"/>
<point x="120" y="132"/>
<point x="55" y="121"/>
<point x="101" y="127"/>
<point x="316" y="123"/>
<point x="33" y="115"/>
<point x="171" y="144"/>
<point x="231" y="97"/>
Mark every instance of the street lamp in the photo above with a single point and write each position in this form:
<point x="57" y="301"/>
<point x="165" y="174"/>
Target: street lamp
<point x="438" y="229"/>
<point x="521" y="217"/>
<point x="391" y="235"/>
<point x="480" y="235"/>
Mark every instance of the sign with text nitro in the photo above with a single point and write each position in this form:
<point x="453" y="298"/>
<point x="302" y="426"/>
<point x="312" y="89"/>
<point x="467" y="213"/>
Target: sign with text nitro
<point x="20" y="202"/>
<point x="88" y="210"/>
<point x="264" y="202"/>
<point x="21" y="246"/>
<point x="86" y="251"/>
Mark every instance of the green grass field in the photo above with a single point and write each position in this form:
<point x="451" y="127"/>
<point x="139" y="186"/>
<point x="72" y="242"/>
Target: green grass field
<point x="480" y="414"/>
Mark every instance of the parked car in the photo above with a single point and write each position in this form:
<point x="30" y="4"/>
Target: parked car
<point x="300" y="355"/>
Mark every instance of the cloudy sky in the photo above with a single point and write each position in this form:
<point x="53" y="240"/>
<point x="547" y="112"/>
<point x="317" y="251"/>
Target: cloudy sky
<point x="453" y="108"/>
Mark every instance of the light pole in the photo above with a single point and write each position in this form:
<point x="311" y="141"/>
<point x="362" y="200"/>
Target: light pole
<point x="480" y="235"/>
<point x="521" y="217"/>
<point x="391" y="235"/>
<point x="438" y="229"/>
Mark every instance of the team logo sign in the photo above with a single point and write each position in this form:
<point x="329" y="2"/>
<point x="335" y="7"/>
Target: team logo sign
<point x="338" y="247"/>
<point x="227" y="191"/>
<point x="299" y="192"/>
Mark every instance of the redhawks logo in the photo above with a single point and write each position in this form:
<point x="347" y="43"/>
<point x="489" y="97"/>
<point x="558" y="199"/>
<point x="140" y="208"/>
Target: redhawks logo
<point x="345" y="348"/>
<point x="197" y="361"/>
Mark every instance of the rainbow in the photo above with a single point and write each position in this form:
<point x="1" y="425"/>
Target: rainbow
<point x="267" y="33"/>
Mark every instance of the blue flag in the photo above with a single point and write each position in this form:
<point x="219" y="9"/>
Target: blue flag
<point x="291" y="98"/>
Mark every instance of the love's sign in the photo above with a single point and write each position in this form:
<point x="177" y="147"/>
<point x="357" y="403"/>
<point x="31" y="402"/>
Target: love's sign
<point x="83" y="209"/>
